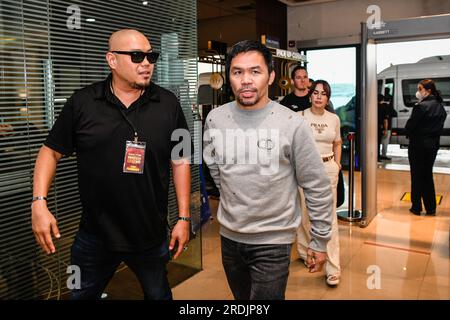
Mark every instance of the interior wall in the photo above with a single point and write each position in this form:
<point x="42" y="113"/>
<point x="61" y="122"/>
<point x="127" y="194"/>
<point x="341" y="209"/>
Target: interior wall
<point x="230" y="29"/>
<point x="339" y="22"/>
<point x="271" y="20"/>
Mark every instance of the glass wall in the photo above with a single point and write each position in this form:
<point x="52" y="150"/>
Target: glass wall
<point x="48" y="49"/>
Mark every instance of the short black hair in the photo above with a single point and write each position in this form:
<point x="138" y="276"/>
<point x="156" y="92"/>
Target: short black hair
<point x="296" y="69"/>
<point x="246" y="46"/>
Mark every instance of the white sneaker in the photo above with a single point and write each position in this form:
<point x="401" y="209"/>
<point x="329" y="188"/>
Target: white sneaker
<point x="333" y="279"/>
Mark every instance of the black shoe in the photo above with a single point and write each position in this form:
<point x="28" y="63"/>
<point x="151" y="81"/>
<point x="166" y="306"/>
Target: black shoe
<point x="416" y="212"/>
<point x="431" y="213"/>
<point x="385" y="158"/>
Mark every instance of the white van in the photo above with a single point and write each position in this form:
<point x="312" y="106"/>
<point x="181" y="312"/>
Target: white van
<point x="402" y="80"/>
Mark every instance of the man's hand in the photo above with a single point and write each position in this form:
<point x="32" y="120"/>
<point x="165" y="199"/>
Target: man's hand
<point x="43" y="222"/>
<point x="180" y="234"/>
<point x="315" y="260"/>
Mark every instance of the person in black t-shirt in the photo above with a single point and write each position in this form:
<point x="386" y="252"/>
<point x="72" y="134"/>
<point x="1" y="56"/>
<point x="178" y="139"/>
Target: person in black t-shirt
<point x="390" y="113"/>
<point x="298" y="100"/>
<point x="121" y="131"/>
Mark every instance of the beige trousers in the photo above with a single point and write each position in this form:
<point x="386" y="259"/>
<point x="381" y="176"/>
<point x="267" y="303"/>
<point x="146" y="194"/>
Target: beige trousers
<point x="332" y="266"/>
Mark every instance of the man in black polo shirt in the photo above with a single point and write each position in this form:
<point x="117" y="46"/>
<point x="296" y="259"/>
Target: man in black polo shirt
<point x="298" y="100"/>
<point x="121" y="131"/>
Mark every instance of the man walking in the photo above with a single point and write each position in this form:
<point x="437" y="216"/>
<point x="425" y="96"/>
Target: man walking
<point x="121" y="131"/>
<point x="258" y="177"/>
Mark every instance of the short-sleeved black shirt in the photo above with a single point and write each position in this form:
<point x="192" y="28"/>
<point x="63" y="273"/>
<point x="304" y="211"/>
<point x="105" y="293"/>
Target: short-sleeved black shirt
<point x="296" y="103"/>
<point x="128" y="211"/>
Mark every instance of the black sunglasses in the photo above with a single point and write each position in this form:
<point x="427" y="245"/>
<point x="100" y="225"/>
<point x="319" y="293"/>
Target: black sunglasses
<point x="138" y="56"/>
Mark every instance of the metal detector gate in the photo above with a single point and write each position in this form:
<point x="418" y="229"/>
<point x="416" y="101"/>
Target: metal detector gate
<point x="422" y="28"/>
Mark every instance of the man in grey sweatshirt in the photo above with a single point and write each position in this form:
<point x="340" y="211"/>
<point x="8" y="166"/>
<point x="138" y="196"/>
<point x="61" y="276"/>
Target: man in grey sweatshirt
<point x="259" y="153"/>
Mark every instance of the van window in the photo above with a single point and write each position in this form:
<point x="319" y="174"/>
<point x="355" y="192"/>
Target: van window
<point x="409" y="88"/>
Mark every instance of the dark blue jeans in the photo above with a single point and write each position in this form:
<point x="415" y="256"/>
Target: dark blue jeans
<point x="98" y="265"/>
<point x="256" y="272"/>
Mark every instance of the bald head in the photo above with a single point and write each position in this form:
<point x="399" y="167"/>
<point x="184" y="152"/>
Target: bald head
<point x="126" y="39"/>
<point x="122" y="45"/>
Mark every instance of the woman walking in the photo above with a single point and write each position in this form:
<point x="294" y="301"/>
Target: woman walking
<point x="326" y="130"/>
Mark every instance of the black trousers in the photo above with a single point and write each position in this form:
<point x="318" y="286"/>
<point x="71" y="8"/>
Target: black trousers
<point x="421" y="161"/>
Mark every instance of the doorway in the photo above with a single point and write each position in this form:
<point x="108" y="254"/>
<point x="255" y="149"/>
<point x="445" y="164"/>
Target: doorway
<point x="423" y="28"/>
<point x="342" y="78"/>
<point x="400" y="66"/>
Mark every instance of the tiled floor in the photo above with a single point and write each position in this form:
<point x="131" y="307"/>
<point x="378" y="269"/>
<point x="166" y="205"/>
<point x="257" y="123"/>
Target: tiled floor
<point x="409" y="253"/>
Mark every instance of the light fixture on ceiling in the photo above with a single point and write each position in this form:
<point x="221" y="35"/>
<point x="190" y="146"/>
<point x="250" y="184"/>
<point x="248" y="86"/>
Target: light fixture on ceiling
<point x="90" y="20"/>
<point x="145" y="3"/>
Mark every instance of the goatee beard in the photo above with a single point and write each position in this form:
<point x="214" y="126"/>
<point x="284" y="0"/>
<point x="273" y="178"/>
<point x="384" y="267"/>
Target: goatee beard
<point x="248" y="103"/>
<point x="140" y="85"/>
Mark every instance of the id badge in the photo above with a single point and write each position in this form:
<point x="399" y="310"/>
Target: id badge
<point x="134" y="157"/>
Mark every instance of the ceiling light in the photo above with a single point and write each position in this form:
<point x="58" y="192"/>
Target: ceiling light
<point x="90" y="20"/>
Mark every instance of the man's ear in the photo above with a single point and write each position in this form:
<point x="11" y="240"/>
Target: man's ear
<point x="111" y="59"/>
<point x="271" y="77"/>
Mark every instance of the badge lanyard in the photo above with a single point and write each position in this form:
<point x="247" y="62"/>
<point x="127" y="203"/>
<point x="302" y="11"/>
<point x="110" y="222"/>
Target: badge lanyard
<point x="134" y="150"/>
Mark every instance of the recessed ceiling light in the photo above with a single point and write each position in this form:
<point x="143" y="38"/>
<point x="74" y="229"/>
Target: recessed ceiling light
<point x="90" y="20"/>
<point x="145" y="3"/>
